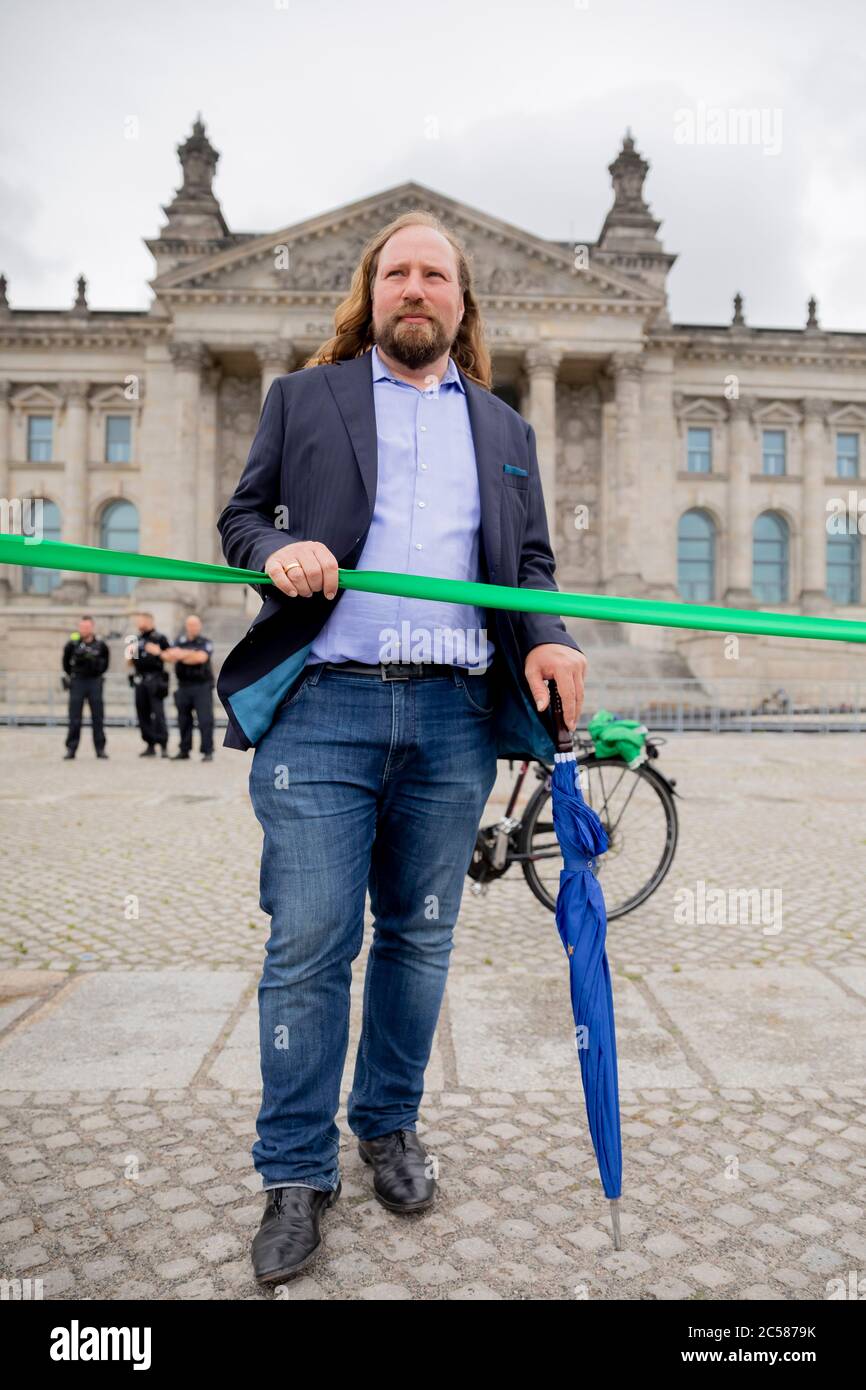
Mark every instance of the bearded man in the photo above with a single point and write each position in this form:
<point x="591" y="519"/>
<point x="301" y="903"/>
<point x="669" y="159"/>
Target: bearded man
<point x="374" y="755"/>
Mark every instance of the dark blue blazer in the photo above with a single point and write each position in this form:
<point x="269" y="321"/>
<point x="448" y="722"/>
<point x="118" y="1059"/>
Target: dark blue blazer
<point x="315" y="454"/>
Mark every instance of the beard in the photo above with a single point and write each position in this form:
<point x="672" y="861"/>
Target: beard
<point x="414" y="344"/>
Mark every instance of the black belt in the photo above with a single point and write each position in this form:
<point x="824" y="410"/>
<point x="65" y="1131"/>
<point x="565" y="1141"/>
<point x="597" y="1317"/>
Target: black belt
<point x="402" y="670"/>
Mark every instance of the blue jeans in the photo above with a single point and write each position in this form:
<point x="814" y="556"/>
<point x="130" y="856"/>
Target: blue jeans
<point x="360" y="783"/>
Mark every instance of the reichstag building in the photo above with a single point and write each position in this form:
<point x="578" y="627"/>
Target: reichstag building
<point x="715" y="463"/>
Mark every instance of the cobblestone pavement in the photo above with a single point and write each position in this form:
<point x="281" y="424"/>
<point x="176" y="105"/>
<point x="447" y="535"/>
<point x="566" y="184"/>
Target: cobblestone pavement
<point x="131" y="947"/>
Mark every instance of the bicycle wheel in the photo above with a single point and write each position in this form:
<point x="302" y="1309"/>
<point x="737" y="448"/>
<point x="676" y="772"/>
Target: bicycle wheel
<point x="636" y="808"/>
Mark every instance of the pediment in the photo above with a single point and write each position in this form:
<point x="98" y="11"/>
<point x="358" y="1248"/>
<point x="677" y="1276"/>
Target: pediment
<point x="37" y="397"/>
<point x="699" y="408"/>
<point x="115" y="397"/>
<point x="853" y="415"/>
<point x="777" y="413"/>
<point x="320" y="254"/>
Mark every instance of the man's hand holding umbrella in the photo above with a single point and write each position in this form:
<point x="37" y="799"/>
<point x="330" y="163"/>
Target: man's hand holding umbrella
<point x="553" y="661"/>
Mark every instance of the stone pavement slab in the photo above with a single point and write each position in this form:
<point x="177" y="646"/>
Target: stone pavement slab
<point x="516" y="1030"/>
<point x="151" y="1028"/>
<point x="851" y="977"/>
<point x="793" y="1026"/>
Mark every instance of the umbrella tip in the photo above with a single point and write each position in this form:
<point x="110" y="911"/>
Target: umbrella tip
<point x="617" y="1229"/>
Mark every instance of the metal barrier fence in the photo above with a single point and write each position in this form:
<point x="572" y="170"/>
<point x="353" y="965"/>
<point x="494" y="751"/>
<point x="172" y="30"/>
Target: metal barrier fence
<point x="733" y="705"/>
<point x="31" y="697"/>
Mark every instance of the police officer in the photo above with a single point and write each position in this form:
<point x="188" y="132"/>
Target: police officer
<point x="85" y="661"/>
<point x="150" y="680"/>
<point x="191" y="655"/>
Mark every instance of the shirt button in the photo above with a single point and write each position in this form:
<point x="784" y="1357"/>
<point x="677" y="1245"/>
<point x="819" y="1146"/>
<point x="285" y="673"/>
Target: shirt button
<point x="423" y="465"/>
<point x="422" y="504"/>
<point x="424" y="428"/>
<point x="417" y="545"/>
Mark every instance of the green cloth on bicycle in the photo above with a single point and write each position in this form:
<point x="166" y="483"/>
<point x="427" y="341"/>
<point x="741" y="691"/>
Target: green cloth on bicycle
<point x="618" y="738"/>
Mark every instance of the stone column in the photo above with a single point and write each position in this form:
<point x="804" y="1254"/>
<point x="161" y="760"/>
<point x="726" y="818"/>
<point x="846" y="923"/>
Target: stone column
<point x="542" y="363"/>
<point x="76" y="493"/>
<point x="190" y="360"/>
<point x="206" y="486"/>
<point x="624" y="518"/>
<point x="5" y="472"/>
<point x="658" y="493"/>
<point x="813" y="516"/>
<point x="738" y="548"/>
<point x="275" y="359"/>
<point x="606" y="491"/>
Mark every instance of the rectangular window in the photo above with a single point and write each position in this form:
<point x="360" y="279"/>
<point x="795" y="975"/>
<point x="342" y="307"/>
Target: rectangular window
<point x="843" y="568"/>
<point x="848" y="455"/>
<point x="700" y="457"/>
<point x="40" y="431"/>
<point x="118" y="439"/>
<point x="774" y="451"/>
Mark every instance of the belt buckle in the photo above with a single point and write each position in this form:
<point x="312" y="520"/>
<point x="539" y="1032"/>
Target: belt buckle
<point x="395" y="670"/>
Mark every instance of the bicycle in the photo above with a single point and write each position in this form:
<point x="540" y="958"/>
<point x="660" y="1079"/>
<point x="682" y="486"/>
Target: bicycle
<point x="639" y="853"/>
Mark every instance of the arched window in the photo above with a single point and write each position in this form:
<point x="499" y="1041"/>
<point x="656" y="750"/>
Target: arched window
<point x="696" y="556"/>
<point x="43" y="581"/>
<point x="770" y="558"/>
<point x="843" y="568"/>
<point x="118" y="530"/>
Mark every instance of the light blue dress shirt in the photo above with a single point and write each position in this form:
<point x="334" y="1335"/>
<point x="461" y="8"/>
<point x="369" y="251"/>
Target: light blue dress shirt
<point x="426" y="520"/>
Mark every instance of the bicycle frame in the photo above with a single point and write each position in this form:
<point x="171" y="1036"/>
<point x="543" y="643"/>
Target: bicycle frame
<point x="510" y="823"/>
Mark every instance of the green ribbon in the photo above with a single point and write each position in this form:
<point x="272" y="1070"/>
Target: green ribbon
<point x="59" y="555"/>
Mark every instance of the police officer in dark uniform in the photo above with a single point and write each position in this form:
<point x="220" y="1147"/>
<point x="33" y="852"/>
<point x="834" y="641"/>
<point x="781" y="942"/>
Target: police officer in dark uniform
<point x="85" y="661"/>
<point x="150" y="679"/>
<point x="191" y="655"/>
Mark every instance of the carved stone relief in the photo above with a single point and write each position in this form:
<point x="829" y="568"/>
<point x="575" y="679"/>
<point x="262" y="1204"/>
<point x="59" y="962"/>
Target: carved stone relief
<point x="238" y="417"/>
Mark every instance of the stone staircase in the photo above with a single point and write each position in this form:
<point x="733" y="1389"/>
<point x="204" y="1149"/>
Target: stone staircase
<point x="616" y="667"/>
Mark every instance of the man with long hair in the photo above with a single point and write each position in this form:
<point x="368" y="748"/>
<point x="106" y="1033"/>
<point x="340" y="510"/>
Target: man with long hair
<point x="377" y="721"/>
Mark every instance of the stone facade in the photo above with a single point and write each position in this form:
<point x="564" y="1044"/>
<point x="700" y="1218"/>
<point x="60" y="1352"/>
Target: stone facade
<point x="582" y="344"/>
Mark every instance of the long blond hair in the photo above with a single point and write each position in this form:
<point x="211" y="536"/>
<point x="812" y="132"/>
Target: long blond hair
<point x="353" y="318"/>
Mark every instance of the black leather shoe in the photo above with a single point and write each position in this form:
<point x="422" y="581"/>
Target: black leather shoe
<point x="288" y="1236"/>
<point x="149" y="752"/>
<point x="102" y="754"/>
<point x="179" y="757"/>
<point x="68" y="755"/>
<point x="402" y="1178"/>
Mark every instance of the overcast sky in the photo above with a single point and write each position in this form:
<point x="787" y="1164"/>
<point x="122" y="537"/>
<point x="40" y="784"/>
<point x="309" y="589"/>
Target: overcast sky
<point x="313" y="105"/>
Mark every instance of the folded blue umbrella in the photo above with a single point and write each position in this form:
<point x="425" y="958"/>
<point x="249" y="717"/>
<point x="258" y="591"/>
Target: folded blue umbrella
<point x="581" y="919"/>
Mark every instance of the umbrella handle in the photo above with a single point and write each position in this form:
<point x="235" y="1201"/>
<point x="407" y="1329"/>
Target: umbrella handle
<point x="617" y="1229"/>
<point x="562" y="735"/>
